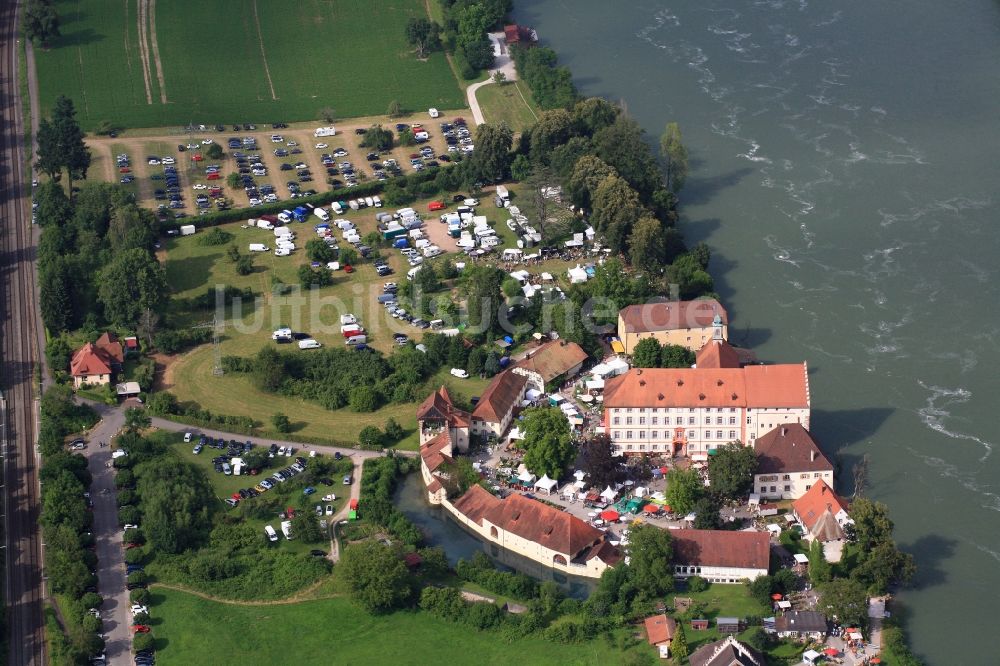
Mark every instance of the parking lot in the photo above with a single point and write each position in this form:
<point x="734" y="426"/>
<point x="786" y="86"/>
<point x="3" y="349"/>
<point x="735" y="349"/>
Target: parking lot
<point x="172" y="170"/>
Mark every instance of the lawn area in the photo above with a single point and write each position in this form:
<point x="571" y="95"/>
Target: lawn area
<point x="336" y="631"/>
<point x="510" y="102"/>
<point x="238" y="61"/>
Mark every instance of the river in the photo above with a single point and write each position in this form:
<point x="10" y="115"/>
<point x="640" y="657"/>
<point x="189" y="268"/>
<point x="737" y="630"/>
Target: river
<point x="844" y="172"/>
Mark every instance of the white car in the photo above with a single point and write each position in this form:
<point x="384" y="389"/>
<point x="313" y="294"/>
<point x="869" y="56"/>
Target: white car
<point x="200" y="186"/>
<point x="281" y="333"/>
<point x="292" y="144"/>
<point x="130" y="526"/>
<point x="329" y="509"/>
<point x="187" y="437"/>
<point x="277" y="138"/>
<point x="168" y="160"/>
<point x="433" y="113"/>
<point x="138" y="608"/>
<point x="458" y="372"/>
<point x="207" y="142"/>
<point x="321" y="146"/>
<point x="154" y="162"/>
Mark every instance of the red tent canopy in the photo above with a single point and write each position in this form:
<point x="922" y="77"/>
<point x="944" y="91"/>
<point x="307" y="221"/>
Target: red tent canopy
<point x="831" y="652"/>
<point x="651" y="508"/>
<point x="777" y="597"/>
<point x="609" y="515"/>
<point x="354" y="503"/>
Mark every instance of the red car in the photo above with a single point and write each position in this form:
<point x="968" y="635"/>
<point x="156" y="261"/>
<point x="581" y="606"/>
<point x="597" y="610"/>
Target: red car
<point x="197" y="157"/>
<point x="348" y="268"/>
<point x="435" y="205"/>
<point x="236" y="496"/>
<point x="140" y="628"/>
<point x="290" y="512"/>
<point x="124" y="170"/>
<point x="215" y="175"/>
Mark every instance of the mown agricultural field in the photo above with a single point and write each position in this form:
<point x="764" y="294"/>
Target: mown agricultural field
<point x="191" y="630"/>
<point x="143" y="63"/>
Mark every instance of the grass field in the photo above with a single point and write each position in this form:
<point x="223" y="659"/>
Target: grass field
<point x="191" y="630"/>
<point x="510" y="102"/>
<point x="139" y="63"/>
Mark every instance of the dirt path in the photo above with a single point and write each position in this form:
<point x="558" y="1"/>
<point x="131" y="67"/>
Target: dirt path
<point x="298" y="597"/>
<point x="128" y="50"/>
<point x="151" y="9"/>
<point x="144" y="48"/>
<point x="263" y="55"/>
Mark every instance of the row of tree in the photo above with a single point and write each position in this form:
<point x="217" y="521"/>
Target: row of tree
<point x="70" y="558"/>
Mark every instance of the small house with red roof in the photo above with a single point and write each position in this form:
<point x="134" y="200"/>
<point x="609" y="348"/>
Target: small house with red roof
<point x="96" y="363"/>
<point x="824" y="515"/>
<point x="660" y="630"/>
<point x="789" y="463"/>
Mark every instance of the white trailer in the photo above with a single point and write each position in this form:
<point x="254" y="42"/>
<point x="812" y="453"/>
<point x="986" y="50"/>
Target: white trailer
<point x="187" y="229"/>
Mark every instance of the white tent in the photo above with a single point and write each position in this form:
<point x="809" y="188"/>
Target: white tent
<point x="577" y="275"/>
<point x="615" y="366"/>
<point x="595" y="384"/>
<point x="515" y="433"/>
<point x="640" y="491"/>
<point x="569" y="490"/>
<point x="533" y="394"/>
<point x="524" y="475"/>
<point x="547" y="277"/>
<point x="579" y="474"/>
<point x="546" y="484"/>
<point x="609" y="494"/>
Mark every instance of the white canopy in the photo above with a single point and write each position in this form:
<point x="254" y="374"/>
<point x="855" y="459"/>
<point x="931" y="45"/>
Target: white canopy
<point x="533" y="394"/>
<point x="546" y="484"/>
<point x="801" y="558"/>
<point x="547" y="277"/>
<point x="579" y="474"/>
<point x="609" y="494"/>
<point x="515" y="433"/>
<point x="613" y="367"/>
<point x="569" y="490"/>
<point x="585" y="398"/>
<point x="640" y="491"/>
<point x="595" y="384"/>
<point x="577" y="275"/>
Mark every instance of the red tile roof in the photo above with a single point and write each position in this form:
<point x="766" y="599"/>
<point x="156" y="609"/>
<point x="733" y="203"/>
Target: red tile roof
<point x="475" y="502"/>
<point x="500" y="397"/>
<point x="721" y="548"/>
<point x="541" y="524"/>
<point x="717" y="354"/>
<point x="90" y="360"/>
<point x="435" y="452"/>
<point x="752" y="386"/>
<point x="789" y="448"/>
<point x="818" y="500"/>
<point x="660" y="629"/>
<point x="553" y="359"/>
<point x="672" y="316"/>
<point x="438" y="405"/>
<point x="109" y="343"/>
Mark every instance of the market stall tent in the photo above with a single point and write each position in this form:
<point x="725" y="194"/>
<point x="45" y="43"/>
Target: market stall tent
<point x="546" y="484"/>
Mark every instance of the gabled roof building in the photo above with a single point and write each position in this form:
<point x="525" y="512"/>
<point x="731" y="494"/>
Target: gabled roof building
<point x="97" y="362"/>
<point x="720" y="556"/>
<point x="789" y="463"/>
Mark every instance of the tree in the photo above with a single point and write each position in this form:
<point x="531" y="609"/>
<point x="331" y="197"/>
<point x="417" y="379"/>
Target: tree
<point x="588" y="172"/>
<point x="393" y="431"/>
<point x="459" y="475"/>
<point x="676" y="356"/>
<point x="244" y="265"/>
<point x="305" y="526"/>
<point x="483" y="299"/>
<point x="49" y="158"/>
<point x="422" y="34"/>
<point x="175" y="500"/>
<point x="647" y="245"/>
<point x="846" y="599"/>
<point x="376" y="576"/>
<point x="269" y="369"/>
<point x="679" y="646"/>
<point x="55" y="295"/>
<point x="491" y="366"/>
<point x="616" y="208"/>
<point x="883" y="566"/>
<point x="133" y="281"/>
<point x="599" y="462"/>
<point x="370" y="437"/>
<point x="731" y="469"/>
<point x="760" y="588"/>
<point x="148" y="323"/>
<point x="547" y="441"/>
<point x="40" y="22"/>
<point x="394" y="110"/>
<point x="819" y="569"/>
<point x="214" y="151"/>
<point x="675" y="157"/>
<point x="539" y="202"/>
<point x="143" y="642"/>
<point x="552" y="129"/>
<point x="490" y="163"/>
<point x="646" y="354"/>
<point x="872" y="524"/>
<point x="377" y="137"/>
<point x="281" y="423"/>
<point x="318" y="250"/>
<point x="234" y="181"/>
<point x="499" y="77"/>
<point x="684" y="487"/>
<point x="651" y="559"/>
<point x="72" y="148"/>
<point x="690" y="276"/>
<point x="623" y="145"/>
<point x="520" y="168"/>
<point x="327" y="114"/>
<point x="136" y="420"/>
<point x="363" y="399"/>
<point x="706" y="510"/>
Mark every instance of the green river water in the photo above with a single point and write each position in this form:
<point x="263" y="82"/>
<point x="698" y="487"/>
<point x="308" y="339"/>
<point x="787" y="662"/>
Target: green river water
<point x="844" y="172"/>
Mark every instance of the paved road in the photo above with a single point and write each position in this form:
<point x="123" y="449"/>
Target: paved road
<point x="24" y="584"/>
<point x="503" y="63"/>
<point x="107" y="534"/>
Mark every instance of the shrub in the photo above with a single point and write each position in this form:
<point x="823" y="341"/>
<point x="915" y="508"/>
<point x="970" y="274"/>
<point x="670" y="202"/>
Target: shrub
<point x="134" y="556"/>
<point x="281" y="422"/>
<point x="139" y="596"/>
<point x="697" y="584"/>
<point x="91" y="600"/>
<point x="215" y="236"/>
<point x="144" y="641"/>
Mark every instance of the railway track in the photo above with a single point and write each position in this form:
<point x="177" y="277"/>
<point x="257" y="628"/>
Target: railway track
<point x="23" y="586"/>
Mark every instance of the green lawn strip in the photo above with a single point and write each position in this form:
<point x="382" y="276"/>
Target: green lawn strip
<point x="336" y="631"/>
<point x="505" y="103"/>
<point x="261" y="62"/>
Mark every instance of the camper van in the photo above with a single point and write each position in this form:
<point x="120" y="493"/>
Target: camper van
<point x="377" y="201"/>
<point x="187" y="229"/>
<point x="265" y="224"/>
<point x="309" y="343"/>
<point x="357" y="340"/>
<point x="353" y="203"/>
<point x="259" y="247"/>
<point x="272" y="536"/>
<point x="324" y="131"/>
<point x="286" y="529"/>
